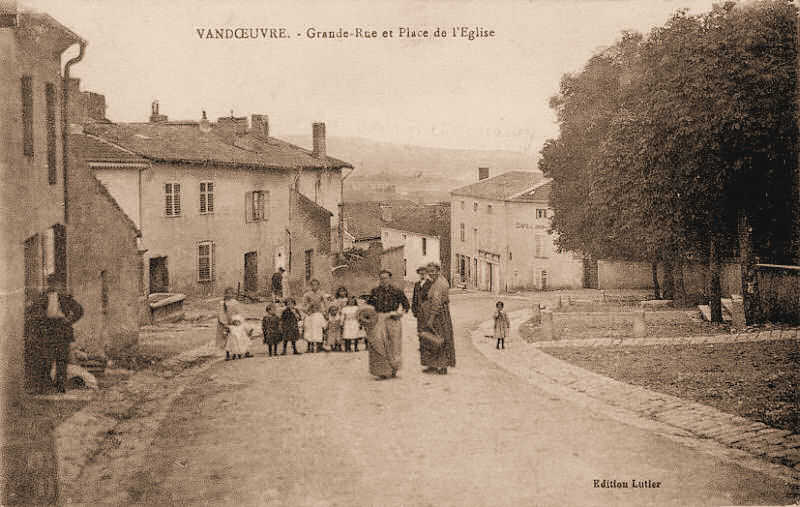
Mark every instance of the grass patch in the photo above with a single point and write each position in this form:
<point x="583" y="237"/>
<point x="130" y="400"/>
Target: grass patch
<point x="756" y="380"/>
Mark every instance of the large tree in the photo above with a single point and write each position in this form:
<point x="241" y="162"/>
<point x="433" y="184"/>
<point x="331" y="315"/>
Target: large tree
<point x="670" y="143"/>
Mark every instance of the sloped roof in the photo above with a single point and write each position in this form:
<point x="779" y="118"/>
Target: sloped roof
<point x="363" y="220"/>
<point x="501" y="187"/>
<point x="305" y="202"/>
<point x="94" y="149"/>
<point x="185" y="142"/>
<point x="539" y="193"/>
<point x="45" y="31"/>
<point x="427" y="220"/>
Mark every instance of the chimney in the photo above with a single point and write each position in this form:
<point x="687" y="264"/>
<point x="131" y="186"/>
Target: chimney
<point x="8" y="13"/>
<point x="232" y="125"/>
<point x="155" y="117"/>
<point x="386" y="213"/>
<point x="483" y="173"/>
<point x="318" y="140"/>
<point x="205" y="125"/>
<point x="259" y="124"/>
<point x="95" y="105"/>
<point x="84" y="107"/>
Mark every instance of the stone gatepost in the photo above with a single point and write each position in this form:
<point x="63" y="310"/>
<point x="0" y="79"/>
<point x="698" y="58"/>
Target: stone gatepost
<point x="536" y="314"/>
<point x="549" y="331"/>
<point x="639" y="326"/>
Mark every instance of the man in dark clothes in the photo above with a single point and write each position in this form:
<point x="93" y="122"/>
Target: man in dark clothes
<point x="50" y="333"/>
<point x="387" y="299"/>
<point x="277" y="285"/>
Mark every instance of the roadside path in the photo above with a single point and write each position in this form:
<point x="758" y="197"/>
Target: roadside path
<point x="681" y="418"/>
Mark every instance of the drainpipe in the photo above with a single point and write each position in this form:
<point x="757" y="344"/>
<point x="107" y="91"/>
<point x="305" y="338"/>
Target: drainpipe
<point x="65" y="124"/>
<point x="341" y="212"/>
<point x="64" y="141"/>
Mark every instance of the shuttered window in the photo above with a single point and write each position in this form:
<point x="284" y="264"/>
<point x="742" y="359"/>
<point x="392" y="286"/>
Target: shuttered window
<point x="27" y="116"/>
<point x="206" y="197"/>
<point x="257" y="206"/>
<point x="309" y="265"/>
<point x="50" y="106"/>
<point x="172" y="199"/>
<point x="540" y="246"/>
<point x="205" y="261"/>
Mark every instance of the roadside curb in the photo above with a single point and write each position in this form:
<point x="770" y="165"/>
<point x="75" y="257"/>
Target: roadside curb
<point x="99" y="424"/>
<point x="777" y="451"/>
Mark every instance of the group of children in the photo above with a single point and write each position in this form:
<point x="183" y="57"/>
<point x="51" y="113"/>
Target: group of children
<point x="336" y="329"/>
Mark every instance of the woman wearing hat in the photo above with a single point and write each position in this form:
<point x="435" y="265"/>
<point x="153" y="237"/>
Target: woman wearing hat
<point x="436" y="312"/>
<point x="419" y="295"/>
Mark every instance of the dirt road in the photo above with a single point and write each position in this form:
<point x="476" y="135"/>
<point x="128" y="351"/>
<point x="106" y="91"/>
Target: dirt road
<point x="316" y="429"/>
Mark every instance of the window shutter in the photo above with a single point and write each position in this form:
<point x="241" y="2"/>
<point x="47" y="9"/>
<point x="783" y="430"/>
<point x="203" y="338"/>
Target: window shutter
<point x="168" y="199"/>
<point x="213" y="261"/>
<point x="203" y="206"/>
<point x="176" y="200"/>
<point x="248" y="206"/>
<point x="210" y="197"/>
<point x="265" y="205"/>
<point x="27" y="115"/>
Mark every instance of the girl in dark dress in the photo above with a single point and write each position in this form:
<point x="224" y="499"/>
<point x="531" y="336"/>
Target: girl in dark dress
<point x="289" y="325"/>
<point x="271" y="328"/>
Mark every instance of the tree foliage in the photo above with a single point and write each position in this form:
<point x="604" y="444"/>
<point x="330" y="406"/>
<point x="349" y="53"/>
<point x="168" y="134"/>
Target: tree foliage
<point x="664" y="138"/>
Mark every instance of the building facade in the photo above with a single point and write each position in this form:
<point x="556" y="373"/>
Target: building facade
<point x="224" y="204"/>
<point x="419" y="249"/>
<point x="105" y="260"/>
<point x="32" y="195"/>
<point x="500" y="236"/>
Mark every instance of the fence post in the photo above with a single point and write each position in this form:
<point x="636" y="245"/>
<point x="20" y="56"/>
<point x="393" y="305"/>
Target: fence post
<point x="639" y="326"/>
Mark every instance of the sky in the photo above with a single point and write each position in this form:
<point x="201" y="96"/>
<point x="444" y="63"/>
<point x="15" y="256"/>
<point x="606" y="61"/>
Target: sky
<point x="489" y="93"/>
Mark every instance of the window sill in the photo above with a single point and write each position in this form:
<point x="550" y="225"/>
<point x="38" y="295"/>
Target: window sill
<point x="173" y="216"/>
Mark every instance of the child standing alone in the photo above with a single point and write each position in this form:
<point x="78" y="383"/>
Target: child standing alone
<point x="271" y="328"/>
<point x="501" y="325"/>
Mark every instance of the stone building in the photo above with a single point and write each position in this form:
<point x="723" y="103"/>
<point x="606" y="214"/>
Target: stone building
<point x="424" y="231"/>
<point x="501" y="239"/>
<point x="34" y="226"/>
<point x="104" y="256"/>
<point x="33" y="193"/>
<point x="225" y="204"/>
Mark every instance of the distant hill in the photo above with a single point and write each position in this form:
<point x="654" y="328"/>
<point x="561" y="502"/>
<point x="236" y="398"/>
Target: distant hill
<point x="374" y="158"/>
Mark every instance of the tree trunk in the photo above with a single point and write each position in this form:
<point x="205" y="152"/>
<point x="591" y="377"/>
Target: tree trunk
<point x="715" y="285"/>
<point x="656" y="291"/>
<point x="750" y="297"/>
<point x="668" y="291"/>
<point x="679" y="295"/>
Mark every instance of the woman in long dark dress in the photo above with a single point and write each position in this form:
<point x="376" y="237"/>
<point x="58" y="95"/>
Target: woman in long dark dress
<point x="436" y="309"/>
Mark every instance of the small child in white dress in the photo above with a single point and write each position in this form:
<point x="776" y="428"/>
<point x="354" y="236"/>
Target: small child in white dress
<point x="313" y="328"/>
<point x="238" y="343"/>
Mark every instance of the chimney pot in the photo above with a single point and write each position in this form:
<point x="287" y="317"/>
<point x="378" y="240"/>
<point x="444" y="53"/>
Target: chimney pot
<point x="155" y="116"/>
<point x="205" y="125"/>
<point x="483" y="173"/>
<point x="318" y="140"/>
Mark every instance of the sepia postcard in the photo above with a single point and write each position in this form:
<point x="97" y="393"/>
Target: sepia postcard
<point x="400" y="252"/>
